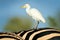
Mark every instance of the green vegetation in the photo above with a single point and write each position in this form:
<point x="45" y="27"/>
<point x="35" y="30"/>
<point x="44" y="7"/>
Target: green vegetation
<point x="16" y="24"/>
<point x="54" y="21"/>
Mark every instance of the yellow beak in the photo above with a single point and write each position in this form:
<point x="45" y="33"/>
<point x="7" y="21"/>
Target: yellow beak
<point x="23" y="6"/>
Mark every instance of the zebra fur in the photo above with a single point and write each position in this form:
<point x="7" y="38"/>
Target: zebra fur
<point x="40" y="34"/>
<point x="9" y="36"/>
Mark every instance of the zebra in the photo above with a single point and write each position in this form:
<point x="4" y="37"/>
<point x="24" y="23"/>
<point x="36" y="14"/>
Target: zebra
<point x="9" y="36"/>
<point x="40" y="34"/>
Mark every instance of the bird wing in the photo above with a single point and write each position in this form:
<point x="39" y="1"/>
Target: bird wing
<point x="37" y="15"/>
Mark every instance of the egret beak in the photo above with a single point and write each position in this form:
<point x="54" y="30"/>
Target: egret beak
<point x="23" y="6"/>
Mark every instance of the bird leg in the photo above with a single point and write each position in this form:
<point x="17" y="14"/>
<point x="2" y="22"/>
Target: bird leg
<point x="36" y="25"/>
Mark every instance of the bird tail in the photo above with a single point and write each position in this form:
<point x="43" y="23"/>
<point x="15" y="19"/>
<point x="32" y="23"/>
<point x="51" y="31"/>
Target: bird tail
<point x="43" y="20"/>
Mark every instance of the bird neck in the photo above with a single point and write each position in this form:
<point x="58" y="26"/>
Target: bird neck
<point x="27" y="8"/>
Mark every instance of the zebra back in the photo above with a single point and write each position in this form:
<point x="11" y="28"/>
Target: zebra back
<point x="39" y="34"/>
<point x="9" y="36"/>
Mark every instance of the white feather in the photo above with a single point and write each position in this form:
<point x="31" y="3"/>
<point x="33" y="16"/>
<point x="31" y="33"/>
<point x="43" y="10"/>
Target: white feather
<point x="34" y="13"/>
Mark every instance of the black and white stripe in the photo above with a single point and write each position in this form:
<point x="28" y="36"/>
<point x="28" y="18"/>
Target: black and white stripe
<point x="40" y="34"/>
<point x="9" y="36"/>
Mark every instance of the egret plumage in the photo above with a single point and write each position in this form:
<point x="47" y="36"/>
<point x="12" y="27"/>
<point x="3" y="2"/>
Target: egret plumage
<point x="34" y="13"/>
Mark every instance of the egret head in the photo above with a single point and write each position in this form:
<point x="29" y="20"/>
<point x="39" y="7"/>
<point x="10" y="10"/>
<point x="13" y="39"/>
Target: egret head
<point x="26" y="6"/>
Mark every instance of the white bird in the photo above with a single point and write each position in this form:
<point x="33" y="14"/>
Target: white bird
<point x="34" y="13"/>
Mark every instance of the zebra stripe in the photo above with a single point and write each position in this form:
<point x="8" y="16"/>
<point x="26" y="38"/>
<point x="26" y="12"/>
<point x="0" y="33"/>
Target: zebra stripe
<point x="44" y="34"/>
<point x="49" y="36"/>
<point x="35" y="32"/>
<point x="21" y="33"/>
<point x="55" y="38"/>
<point x="40" y="34"/>
<point x="9" y="36"/>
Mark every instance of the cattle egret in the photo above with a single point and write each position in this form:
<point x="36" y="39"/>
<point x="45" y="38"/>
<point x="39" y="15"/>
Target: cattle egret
<point x="34" y="13"/>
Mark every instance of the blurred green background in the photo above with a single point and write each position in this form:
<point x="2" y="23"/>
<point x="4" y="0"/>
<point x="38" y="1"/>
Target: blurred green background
<point x="13" y="18"/>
